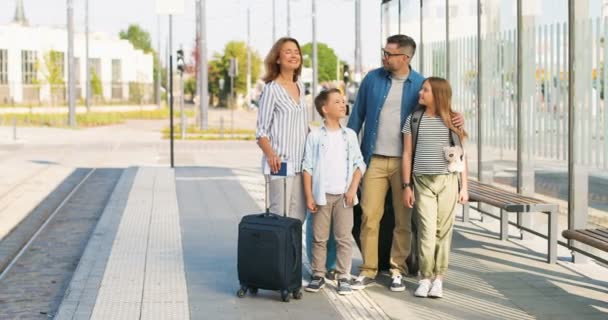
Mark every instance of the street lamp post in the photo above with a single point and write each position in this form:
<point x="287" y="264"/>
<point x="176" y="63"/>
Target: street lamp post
<point x="315" y="72"/>
<point x="71" y="87"/>
<point x="86" y="58"/>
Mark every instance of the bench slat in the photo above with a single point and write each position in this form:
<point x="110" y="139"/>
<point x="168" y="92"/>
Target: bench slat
<point x="512" y="202"/>
<point x="599" y="234"/>
<point x="579" y="236"/>
<point x="603" y="232"/>
<point x="504" y="194"/>
<point x="590" y="234"/>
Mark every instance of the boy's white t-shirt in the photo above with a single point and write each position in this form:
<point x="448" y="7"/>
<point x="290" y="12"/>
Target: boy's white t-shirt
<point x="334" y="162"/>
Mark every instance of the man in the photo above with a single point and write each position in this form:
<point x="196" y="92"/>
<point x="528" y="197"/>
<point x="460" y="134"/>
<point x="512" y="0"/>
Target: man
<point x="385" y="99"/>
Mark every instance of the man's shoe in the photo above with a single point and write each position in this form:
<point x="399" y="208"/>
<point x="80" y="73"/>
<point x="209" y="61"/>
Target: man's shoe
<point x="436" y="289"/>
<point x="361" y="282"/>
<point x="344" y="287"/>
<point x="397" y="284"/>
<point x="424" y="286"/>
<point x="316" y="284"/>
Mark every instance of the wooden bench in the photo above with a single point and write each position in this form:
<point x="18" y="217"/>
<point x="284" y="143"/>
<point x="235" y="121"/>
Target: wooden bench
<point x="513" y="202"/>
<point x="597" y="238"/>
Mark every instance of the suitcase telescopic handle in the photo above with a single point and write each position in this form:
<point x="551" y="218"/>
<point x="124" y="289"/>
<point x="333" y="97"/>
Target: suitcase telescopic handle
<point x="267" y="195"/>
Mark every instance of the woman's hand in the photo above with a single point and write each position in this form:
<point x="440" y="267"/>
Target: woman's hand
<point x="463" y="196"/>
<point x="311" y="205"/>
<point x="458" y="119"/>
<point x="408" y="197"/>
<point x="349" y="198"/>
<point x="274" y="162"/>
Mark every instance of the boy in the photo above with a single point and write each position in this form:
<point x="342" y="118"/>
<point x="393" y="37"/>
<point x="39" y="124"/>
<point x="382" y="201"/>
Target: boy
<point x="332" y="169"/>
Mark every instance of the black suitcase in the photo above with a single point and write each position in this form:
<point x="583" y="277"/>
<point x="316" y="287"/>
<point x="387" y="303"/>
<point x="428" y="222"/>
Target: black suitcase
<point x="270" y="254"/>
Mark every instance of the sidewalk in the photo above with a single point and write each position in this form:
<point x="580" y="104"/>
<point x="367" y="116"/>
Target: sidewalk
<point x="142" y="263"/>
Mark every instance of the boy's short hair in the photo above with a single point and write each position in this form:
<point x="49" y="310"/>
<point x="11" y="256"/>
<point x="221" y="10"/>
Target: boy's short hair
<point x="322" y="98"/>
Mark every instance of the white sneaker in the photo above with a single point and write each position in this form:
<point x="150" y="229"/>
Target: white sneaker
<point x="424" y="286"/>
<point x="397" y="284"/>
<point x="436" y="289"/>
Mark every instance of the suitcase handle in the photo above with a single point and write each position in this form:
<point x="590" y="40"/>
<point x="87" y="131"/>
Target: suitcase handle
<point x="266" y="195"/>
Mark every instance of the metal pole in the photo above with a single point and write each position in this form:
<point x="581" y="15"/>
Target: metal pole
<point x="158" y="66"/>
<point x="288" y="18"/>
<point x="71" y="96"/>
<point x="274" y="18"/>
<point x="232" y="106"/>
<point x="171" y="85"/>
<point x="184" y="123"/>
<point x="204" y="71"/>
<point x="358" y="61"/>
<point x="249" y="55"/>
<point x="479" y="93"/>
<point x="86" y="59"/>
<point x="315" y="73"/>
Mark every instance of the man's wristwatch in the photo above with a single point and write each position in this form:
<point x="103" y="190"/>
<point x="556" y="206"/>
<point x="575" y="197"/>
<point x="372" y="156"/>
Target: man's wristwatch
<point x="405" y="185"/>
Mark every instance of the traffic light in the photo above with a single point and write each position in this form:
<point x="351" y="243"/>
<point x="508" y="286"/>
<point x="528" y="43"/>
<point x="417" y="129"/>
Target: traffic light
<point x="346" y="75"/>
<point x="181" y="65"/>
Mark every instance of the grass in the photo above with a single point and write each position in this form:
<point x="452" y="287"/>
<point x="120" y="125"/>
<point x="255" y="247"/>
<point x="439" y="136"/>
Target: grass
<point x="194" y="133"/>
<point x="85" y="120"/>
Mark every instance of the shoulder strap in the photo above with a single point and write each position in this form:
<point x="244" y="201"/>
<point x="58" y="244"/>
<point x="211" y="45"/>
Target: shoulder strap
<point x="415" y="127"/>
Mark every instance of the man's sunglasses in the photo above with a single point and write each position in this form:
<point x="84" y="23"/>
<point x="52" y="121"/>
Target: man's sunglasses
<point x="387" y="54"/>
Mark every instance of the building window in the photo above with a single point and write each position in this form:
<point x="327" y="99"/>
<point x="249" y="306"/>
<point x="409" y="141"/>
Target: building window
<point x="95" y="65"/>
<point x="3" y="66"/>
<point x="28" y="66"/>
<point x="116" y="71"/>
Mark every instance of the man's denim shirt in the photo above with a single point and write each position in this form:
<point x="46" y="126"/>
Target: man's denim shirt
<point x="370" y="99"/>
<point x="316" y="147"/>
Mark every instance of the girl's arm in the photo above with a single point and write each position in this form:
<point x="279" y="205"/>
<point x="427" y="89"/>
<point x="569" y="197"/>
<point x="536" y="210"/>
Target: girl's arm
<point x="463" y="197"/>
<point x="406" y="166"/>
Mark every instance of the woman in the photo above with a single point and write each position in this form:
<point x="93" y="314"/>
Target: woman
<point x="430" y="183"/>
<point x="282" y="127"/>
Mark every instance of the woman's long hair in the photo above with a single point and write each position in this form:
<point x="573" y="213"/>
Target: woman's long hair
<point x="270" y="62"/>
<point x="442" y="95"/>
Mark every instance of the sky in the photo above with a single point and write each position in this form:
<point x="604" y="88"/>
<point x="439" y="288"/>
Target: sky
<point x="226" y="21"/>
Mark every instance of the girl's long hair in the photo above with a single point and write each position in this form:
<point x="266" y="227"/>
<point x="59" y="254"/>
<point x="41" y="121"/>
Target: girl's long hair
<point x="270" y="62"/>
<point x="442" y="95"/>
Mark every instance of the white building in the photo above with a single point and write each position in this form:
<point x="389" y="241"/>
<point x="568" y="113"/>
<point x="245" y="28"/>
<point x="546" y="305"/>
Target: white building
<point x="125" y="73"/>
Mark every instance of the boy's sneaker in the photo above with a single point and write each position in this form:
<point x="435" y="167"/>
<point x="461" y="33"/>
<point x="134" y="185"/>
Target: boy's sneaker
<point x="344" y="287"/>
<point x="424" y="286"/>
<point x="316" y="284"/>
<point x="397" y="284"/>
<point x="436" y="289"/>
<point x="361" y="282"/>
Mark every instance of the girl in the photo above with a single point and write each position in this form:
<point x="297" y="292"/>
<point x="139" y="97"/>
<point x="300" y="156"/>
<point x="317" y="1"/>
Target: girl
<point x="429" y="184"/>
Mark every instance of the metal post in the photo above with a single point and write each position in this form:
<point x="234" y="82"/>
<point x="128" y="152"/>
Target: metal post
<point x="288" y="18"/>
<point x="578" y="179"/>
<point x="315" y="70"/>
<point x="358" y="60"/>
<point x="86" y="59"/>
<point x="274" y="18"/>
<point x="171" y="85"/>
<point x="249" y="56"/>
<point x="232" y="104"/>
<point x="447" y="39"/>
<point x="479" y="93"/>
<point x="203" y="71"/>
<point x="158" y="66"/>
<point x="71" y="87"/>
<point x="183" y="121"/>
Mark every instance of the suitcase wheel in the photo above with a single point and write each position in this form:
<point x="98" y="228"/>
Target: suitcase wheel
<point x="253" y="291"/>
<point x="242" y="291"/>
<point x="297" y="294"/>
<point x="285" y="295"/>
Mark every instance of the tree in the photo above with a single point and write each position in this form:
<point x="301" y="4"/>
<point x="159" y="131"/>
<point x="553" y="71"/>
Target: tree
<point x="218" y="69"/>
<point x="327" y="60"/>
<point x="51" y="69"/>
<point x="140" y="39"/>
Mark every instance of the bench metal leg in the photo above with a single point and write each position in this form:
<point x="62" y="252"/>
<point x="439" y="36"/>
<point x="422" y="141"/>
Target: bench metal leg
<point x="504" y="225"/>
<point x="465" y="212"/>
<point x="552" y="241"/>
